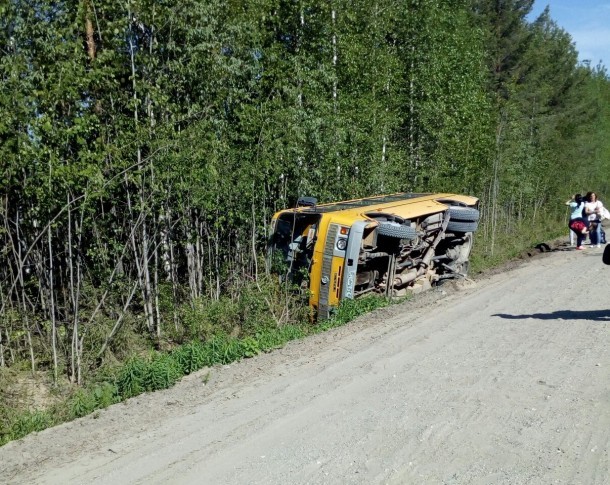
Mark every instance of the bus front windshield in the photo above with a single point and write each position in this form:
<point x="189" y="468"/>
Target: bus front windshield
<point x="291" y="244"/>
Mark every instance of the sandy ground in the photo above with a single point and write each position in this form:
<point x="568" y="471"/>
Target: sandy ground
<point x="503" y="381"/>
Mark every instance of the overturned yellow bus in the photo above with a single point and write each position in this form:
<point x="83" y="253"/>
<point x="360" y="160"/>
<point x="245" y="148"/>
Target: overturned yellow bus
<point x="388" y="244"/>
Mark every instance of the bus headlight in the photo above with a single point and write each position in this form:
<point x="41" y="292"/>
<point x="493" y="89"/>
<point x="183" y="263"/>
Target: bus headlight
<point x="341" y="244"/>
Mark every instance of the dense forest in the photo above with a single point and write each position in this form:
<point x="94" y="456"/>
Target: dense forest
<point x="146" y="144"/>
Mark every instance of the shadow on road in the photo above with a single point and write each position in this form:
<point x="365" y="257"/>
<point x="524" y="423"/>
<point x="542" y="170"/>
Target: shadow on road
<point x="595" y="315"/>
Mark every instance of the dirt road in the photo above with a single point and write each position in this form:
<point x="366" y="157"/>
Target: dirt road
<point x="504" y="382"/>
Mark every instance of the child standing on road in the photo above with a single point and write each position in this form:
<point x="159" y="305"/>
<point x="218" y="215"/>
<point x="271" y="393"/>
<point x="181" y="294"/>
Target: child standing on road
<point x="578" y="223"/>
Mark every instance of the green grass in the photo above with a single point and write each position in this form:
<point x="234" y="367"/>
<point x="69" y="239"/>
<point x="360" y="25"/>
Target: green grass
<point x="351" y="309"/>
<point x="161" y="370"/>
<point x="511" y="243"/>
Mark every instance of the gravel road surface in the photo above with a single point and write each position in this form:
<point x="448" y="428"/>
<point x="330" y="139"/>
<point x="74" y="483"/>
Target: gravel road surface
<point x="504" y="381"/>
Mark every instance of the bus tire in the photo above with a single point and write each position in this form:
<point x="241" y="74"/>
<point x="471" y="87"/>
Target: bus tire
<point x="392" y="229"/>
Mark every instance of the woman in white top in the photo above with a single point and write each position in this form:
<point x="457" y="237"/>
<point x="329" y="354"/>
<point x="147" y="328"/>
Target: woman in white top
<point x="593" y="209"/>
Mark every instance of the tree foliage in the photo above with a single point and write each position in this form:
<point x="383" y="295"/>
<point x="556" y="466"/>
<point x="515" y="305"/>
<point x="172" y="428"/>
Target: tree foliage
<point x="145" y="145"/>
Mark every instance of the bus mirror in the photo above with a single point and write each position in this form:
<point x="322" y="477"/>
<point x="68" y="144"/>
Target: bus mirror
<point x="307" y="202"/>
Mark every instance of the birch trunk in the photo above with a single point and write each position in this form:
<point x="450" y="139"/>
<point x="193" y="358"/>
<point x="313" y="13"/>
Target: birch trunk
<point x="74" y="344"/>
<point x="26" y="320"/>
<point x="156" y="291"/>
<point x="334" y="42"/>
<point x="171" y="265"/>
<point x="89" y="32"/>
<point x="52" y="309"/>
<point x="148" y="291"/>
<point x="254" y="254"/>
<point x="496" y="185"/>
<point x="2" y="363"/>
<point x="191" y="265"/>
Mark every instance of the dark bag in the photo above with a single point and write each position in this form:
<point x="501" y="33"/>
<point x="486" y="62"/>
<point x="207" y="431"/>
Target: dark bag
<point x="606" y="255"/>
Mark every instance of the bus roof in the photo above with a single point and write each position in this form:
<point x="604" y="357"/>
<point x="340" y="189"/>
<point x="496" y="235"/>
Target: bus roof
<point x="403" y="204"/>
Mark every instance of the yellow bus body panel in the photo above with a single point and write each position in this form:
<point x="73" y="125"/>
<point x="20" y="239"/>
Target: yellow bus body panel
<point x="407" y="208"/>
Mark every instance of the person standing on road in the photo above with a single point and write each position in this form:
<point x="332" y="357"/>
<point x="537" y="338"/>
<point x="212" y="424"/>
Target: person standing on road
<point x="593" y="208"/>
<point x="578" y="223"/>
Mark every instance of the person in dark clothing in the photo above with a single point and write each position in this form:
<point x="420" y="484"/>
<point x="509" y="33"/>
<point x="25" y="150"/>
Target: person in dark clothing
<point x="578" y="224"/>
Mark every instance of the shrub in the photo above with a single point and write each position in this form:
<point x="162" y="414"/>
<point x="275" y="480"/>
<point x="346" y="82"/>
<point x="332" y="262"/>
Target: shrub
<point x="131" y="378"/>
<point x="249" y="347"/>
<point x="162" y="372"/>
<point x="190" y="357"/>
<point x="25" y="424"/>
<point x="105" y="394"/>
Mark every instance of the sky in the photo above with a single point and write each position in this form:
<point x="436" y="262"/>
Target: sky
<point x="587" y="21"/>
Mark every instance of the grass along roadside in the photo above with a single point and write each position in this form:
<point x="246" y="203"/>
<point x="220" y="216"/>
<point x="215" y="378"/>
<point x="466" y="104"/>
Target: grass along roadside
<point x="161" y="370"/>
